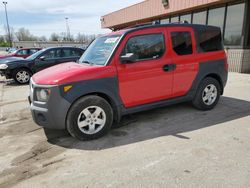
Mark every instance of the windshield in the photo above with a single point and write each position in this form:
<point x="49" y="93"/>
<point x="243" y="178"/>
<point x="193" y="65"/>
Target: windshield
<point x="99" y="50"/>
<point x="35" y="55"/>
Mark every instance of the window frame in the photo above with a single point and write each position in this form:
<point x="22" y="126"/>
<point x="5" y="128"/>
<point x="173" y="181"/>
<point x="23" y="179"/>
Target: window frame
<point x="147" y="59"/>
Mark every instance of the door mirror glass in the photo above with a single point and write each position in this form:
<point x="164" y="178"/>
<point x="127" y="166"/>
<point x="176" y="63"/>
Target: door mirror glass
<point x="127" y="58"/>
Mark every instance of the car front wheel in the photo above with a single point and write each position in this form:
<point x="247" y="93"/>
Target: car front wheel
<point x="89" y="118"/>
<point x="22" y="76"/>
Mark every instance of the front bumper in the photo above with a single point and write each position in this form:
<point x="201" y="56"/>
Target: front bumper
<point x="6" y="73"/>
<point x="51" y="114"/>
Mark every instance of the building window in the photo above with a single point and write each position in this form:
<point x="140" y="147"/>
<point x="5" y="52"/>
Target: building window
<point x="216" y="17"/>
<point x="200" y="17"/>
<point x="186" y="17"/>
<point x="145" y="47"/>
<point x="209" y="40"/>
<point x="182" y="43"/>
<point x="234" y="24"/>
<point x="165" y="21"/>
<point x="174" y="19"/>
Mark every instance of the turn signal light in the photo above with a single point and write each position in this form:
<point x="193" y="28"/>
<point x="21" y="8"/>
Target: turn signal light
<point x="67" y="88"/>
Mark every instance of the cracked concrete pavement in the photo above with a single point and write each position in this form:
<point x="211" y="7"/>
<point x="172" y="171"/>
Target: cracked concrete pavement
<point x="175" y="146"/>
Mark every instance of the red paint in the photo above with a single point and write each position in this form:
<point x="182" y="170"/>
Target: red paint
<point x="144" y="81"/>
<point x="72" y="72"/>
<point x="140" y="82"/>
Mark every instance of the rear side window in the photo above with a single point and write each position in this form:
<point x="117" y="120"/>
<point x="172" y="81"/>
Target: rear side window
<point x="70" y="53"/>
<point x="22" y="52"/>
<point x="145" y="46"/>
<point x="33" y="51"/>
<point x="182" y="43"/>
<point x="209" y="40"/>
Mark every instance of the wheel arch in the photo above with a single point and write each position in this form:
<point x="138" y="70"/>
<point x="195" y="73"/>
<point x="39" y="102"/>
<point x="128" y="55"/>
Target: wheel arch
<point x="218" y="78"/>
<point x="110" y="100"/>
<point x="23" y="67"/>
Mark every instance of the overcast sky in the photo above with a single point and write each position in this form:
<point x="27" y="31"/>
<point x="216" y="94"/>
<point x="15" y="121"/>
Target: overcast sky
<point x="42" y="17"/>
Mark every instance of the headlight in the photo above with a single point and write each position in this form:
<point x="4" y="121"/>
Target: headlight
<point x="42" y="94"/>
<point x="3" y="66"/>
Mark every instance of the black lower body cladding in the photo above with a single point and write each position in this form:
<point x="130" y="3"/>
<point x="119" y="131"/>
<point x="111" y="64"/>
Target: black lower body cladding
<point x="53" y="114"/>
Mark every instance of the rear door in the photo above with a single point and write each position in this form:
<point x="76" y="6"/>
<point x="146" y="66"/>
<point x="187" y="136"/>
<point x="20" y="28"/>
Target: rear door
<point x="183" y="51"/>
<point x="145" y="80"/>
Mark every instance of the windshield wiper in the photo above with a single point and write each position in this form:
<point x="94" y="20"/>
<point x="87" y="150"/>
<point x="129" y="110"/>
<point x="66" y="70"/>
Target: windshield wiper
<point x="87" y="62"/>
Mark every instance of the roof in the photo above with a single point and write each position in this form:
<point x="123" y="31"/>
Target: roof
<point x="194" y="26"/>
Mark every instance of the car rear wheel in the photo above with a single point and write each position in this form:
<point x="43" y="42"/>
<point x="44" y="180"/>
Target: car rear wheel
<point x="208" y="94"/>
<point x="22" y="76"/>
<point x="89" y="118"/>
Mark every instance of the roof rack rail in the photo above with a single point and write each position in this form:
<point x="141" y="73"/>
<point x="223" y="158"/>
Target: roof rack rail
<point x="143" y="24"/>
<point x="180" y="22"/>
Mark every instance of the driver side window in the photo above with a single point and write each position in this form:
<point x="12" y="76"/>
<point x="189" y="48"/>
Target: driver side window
<point x="144" y="47"/>
<point x="52" y="54"/>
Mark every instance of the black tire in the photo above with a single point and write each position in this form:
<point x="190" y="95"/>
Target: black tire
<point x="198" y="101"/>
<point x="25" y="80"/>
<point x="76" y="110"/>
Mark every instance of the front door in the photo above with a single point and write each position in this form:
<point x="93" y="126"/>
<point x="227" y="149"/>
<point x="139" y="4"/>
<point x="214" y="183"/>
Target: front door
<point x="47" y="59"/>
<point x="146" y="79"/>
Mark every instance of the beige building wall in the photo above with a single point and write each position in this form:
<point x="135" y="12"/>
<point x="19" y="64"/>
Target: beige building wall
<point x="151" y="9"/>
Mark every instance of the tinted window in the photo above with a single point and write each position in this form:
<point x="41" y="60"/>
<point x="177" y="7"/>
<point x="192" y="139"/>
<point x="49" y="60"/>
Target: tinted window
<point x="186" y="17"/>
<point x="182" y="43"/>
<point x="216" y="17"/>
<point x="70" y="53"/>
<point x="234" y="24"/>
<point x="145" y="46"/>
<point x="52" y="54"/>
<point x="22" y="52"/>
<point x="33" y="51"/>
<point x="210" y="40"/>
<point x="200" y="17"/>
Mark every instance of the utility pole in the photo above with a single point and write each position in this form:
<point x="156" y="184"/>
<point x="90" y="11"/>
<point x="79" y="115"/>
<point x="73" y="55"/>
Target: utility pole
<point x="8" y="27"/>
<point x="67" y="29"/>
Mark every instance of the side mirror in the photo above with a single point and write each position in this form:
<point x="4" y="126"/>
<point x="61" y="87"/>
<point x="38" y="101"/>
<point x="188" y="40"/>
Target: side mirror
<point x="127" y="58"/>
<point x="42" y="58"/>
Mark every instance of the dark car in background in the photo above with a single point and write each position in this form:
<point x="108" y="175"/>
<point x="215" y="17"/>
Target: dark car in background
<point x="22" y="69"/>
<point x="23" y="52"/>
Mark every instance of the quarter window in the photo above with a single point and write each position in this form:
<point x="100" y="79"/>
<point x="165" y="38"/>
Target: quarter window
<point x="145" y="46"/>
<point x="182" y="43"/>
<point x="209" y="40"/>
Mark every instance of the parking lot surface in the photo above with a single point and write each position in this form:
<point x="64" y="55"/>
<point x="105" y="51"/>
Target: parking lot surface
<point x="175" y="146"/>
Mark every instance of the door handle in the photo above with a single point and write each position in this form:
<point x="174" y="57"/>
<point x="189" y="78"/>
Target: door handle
<point x="169" y="67"/>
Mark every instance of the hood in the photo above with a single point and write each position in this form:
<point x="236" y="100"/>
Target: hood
<point x="9" y="60"/>
<point x="72" y="72"/>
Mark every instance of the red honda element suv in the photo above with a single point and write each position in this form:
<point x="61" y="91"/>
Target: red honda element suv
<point x="128" y="71"/>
